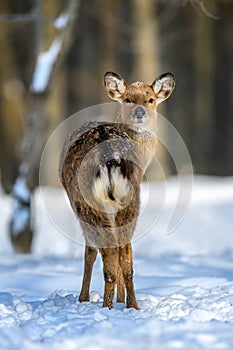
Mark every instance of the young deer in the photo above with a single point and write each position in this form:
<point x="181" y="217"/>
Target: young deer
<point x="101" y="167"/>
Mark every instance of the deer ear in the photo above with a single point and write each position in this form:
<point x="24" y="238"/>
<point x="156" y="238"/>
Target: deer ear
<point x="163" y="86"/>
<point x="114" y="85"/>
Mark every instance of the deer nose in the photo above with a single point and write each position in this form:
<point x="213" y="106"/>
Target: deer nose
<point x="139" y="112"/>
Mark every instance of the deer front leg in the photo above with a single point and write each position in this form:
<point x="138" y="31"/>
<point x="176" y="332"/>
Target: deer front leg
<point x="126" y="263"/>
<point x="90" y="256"/>
<point x="120" y="286"/>
<point x="110" y="257"/>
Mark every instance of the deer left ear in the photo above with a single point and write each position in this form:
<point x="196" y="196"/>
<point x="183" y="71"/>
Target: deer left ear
<point x="163" y="86"/>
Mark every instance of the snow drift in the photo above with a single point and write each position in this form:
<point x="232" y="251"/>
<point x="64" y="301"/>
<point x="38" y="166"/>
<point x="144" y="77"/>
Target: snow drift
<point x="183" y="281"/>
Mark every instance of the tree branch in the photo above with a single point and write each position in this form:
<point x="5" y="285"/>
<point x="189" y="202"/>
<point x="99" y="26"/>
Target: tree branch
<point x="200" y="4"/>
<point x="47" y="61"/>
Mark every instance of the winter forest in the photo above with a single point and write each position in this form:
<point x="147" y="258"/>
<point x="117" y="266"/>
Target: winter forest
<point x="54" y="55"/>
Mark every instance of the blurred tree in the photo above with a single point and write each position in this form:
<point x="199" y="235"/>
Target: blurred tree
<point x="47" y="57"/>
<point x="145" y="40"/>
<point x="204" y="60"/>
<point x="147" y="63"/>
<point x="138" y="39"/>
<point x="221" y="146"/>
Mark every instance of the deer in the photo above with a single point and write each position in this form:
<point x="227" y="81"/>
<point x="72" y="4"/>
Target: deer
<point x="101" y="168"/>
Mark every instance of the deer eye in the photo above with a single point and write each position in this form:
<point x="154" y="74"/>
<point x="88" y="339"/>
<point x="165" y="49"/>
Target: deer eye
<point x="151" y="100"/>
<point x="127" y="100"/>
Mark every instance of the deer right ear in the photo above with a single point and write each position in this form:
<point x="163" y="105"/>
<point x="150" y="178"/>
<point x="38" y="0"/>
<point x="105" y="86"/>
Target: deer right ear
<point x="114" y="85"/>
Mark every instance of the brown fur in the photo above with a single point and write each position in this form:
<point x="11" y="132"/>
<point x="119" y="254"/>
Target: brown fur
<point x="101" y="167"/>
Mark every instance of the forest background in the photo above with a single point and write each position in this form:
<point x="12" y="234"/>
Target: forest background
<point x="137" y="39"/>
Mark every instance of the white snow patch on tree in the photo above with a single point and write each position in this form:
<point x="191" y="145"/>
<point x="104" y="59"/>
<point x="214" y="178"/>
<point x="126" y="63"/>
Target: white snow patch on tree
<point x="44" y="67"/>
<point x="21" y="218"/>
<point x="20" y="190"/>
<point x="61" y="21"/>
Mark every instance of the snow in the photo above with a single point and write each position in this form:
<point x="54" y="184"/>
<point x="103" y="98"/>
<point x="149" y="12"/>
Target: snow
<point x="44" y="65"/>
<point x="183" y="281"/>
<point x="20" y="190"/>
<point x="21" y="218"/>
<point x="62" y="20"/>
<point x="21" y="215"/>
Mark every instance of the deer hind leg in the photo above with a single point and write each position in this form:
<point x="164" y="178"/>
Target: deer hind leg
<point x="120" y="286"/>
<point x="90" y="257"/>
<point x="126" y="263"/>
<point x="110" y="257"/>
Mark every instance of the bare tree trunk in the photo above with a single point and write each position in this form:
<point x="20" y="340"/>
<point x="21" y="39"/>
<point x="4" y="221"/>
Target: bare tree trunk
<point x="46" y="67"/>
<point x="109" y="34"/>
<point x="147" y="63"/>
<point x="204" y="80"/>
<point x="11" y="110"/>
<point x="222" y="147"/>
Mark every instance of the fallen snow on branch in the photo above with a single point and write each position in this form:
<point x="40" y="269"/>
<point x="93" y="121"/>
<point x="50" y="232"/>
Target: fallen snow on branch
<point x="44" y="66"/>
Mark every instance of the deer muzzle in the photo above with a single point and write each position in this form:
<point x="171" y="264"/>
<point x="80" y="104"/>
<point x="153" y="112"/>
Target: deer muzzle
<point x="139" y="113"/>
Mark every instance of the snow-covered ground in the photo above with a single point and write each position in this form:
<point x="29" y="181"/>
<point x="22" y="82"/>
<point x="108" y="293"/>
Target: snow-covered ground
<point x="183" y="281"/>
